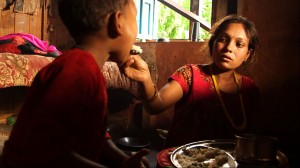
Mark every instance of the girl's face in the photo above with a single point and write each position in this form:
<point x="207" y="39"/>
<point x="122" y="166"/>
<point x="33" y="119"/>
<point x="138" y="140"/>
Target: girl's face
<point x="230" y="48"/>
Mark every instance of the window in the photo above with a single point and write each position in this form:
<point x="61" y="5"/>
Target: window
<point x="156" y="20"/>
<point x="146" y="18"/>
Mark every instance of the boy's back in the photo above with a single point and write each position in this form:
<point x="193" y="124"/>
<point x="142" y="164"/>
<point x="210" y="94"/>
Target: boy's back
<point x="58" y="116"/>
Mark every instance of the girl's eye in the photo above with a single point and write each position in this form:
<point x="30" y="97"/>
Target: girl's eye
<point x="240" y="45"/>
<point x="222" y="39"/>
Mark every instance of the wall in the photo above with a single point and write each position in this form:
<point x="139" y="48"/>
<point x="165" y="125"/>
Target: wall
<point x="39" y="18"/>
<point x="26" y="21"/>
<point x="277" y="69"/>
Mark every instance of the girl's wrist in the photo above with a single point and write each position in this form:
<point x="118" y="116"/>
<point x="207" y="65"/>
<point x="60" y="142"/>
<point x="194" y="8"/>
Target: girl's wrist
<point x="153" y="97"/>
<point x="148" y="92"/>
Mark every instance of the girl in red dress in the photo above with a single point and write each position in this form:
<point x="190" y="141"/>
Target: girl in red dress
<point x="211" y="101"/>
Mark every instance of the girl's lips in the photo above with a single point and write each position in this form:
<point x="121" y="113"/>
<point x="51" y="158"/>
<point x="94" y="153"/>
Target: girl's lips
<point x="226" y="58"/>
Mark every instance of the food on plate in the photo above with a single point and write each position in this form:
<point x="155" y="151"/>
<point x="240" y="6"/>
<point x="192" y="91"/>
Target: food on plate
<point x="202" y="158"/>
<point x="135" y="50"/>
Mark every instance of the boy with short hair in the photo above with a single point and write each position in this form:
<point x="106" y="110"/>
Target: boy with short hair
<point x="66" y="108"/>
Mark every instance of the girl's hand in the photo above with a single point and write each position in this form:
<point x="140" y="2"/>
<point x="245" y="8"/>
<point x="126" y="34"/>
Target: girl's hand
<point x="136" y="69"/>
<point x="138" y="160"/>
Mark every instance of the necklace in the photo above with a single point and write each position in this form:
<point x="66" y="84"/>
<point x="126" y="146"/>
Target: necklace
<point x="223" y="104"/>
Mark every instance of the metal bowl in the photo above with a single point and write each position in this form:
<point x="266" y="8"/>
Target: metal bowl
<point x="132" y="142"/>
<point x="251" y="148"/>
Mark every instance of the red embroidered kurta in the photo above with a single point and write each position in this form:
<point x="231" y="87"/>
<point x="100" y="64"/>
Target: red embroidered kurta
<point x="199" y="114"/>
<point x="66" y="109"/>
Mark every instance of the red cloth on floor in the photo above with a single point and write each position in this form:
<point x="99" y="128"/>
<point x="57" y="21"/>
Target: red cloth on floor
<point x="163" y="158"/>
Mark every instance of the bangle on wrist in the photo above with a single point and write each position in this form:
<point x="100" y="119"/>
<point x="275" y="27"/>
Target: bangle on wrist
<point x="155" y="95"/>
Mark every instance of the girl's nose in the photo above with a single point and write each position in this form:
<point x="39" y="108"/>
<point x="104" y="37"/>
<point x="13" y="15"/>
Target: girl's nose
<point x="230" y="47"/>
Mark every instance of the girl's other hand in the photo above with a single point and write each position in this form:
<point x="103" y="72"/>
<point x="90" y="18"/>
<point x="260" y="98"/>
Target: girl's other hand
<point x="138" y="160"/>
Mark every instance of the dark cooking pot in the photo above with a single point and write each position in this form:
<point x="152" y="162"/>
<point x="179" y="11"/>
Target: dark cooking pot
<point x="251" y="148"/>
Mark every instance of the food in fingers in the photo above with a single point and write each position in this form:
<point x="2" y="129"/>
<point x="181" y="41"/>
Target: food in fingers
<point x="136" y="50"/>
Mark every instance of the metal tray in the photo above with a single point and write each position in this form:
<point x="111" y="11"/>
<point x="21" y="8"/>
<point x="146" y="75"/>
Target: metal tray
<point x="231" y="161"/>
<point x="228" y="145"/>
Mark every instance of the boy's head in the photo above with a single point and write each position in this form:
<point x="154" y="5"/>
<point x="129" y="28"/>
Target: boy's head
<point x="85" y="17"/>
<point x="115" y="18"/>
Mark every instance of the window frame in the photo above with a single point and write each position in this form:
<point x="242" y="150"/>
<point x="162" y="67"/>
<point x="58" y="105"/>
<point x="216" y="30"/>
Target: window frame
<point x="148" y="9"/>
<point x="220" y="8"/>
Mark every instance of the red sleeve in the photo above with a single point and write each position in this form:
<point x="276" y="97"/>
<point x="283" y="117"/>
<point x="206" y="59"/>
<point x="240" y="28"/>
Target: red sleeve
<point x="183" y="76"/>
<point x="107" y="135"/>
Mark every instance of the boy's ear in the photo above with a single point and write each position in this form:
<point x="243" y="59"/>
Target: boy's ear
<point x="115" y="24"/>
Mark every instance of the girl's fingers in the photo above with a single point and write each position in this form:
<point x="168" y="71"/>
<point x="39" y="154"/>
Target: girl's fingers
<point x="129" y="61"/>
<point x="138" y="157"/>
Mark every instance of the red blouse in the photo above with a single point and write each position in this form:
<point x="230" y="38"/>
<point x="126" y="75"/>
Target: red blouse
<point x="66" y="109"/>
<point x="199" y="114"/>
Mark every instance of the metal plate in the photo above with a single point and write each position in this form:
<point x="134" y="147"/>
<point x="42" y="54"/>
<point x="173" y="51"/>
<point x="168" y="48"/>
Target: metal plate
<point x="228" y="145"/>
<point x="231" y="161"/>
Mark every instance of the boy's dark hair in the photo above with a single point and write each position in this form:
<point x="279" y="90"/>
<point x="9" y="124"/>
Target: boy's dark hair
<point x="249" y="28"/>
<point x="85" y="17"/>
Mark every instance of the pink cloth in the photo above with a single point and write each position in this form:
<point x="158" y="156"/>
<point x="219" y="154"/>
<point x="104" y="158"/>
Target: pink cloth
<point x="43" y="45"/>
